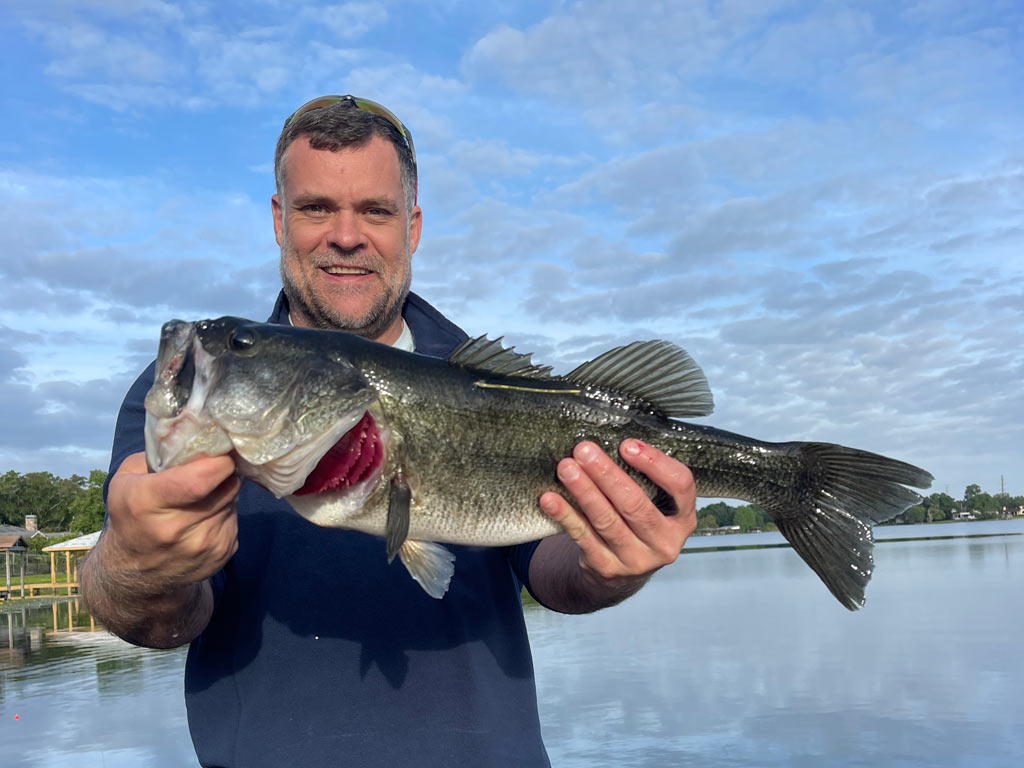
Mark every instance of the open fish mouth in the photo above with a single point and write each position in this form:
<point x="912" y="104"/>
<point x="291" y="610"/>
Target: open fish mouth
<point x="177" y="426"/>
<point x="187" y="417"/>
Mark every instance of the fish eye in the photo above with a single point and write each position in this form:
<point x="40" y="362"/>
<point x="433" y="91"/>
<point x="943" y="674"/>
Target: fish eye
<point x="241" y="339"/>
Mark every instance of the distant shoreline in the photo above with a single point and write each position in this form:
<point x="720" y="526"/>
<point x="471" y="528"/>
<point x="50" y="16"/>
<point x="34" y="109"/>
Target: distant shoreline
<point x="729" y="530"/>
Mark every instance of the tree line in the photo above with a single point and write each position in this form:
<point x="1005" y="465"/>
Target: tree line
<point x="984" y="506"/>
<point x="75" y="504"/>
<point x="932" y="509"/>
<point x="70" y="504"/>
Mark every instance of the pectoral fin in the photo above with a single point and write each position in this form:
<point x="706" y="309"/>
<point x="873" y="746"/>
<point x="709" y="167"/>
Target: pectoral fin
<point x="398" y="515"/>
<point x="430" y="564"/>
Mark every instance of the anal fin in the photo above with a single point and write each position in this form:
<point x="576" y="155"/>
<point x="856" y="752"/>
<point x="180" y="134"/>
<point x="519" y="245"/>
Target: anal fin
<point x="430" y="565"/>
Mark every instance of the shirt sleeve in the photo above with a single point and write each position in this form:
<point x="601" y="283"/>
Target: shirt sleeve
<point x="519" y="557"/>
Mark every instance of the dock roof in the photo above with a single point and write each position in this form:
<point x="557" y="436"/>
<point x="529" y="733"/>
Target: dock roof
<point x="88" y="541"/>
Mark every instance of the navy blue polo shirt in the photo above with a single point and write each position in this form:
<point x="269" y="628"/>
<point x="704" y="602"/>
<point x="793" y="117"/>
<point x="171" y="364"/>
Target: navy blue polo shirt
<point x="319" y="653"/>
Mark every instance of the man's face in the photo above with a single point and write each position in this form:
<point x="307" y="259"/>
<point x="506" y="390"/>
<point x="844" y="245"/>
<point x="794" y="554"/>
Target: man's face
<point x="346" y="239"/>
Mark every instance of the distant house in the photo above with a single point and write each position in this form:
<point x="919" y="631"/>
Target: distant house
<point x="14" y="530"/>
<point x="717" y="531"/>
<point x="30" y="531"/>
<point x="963" y="515"/>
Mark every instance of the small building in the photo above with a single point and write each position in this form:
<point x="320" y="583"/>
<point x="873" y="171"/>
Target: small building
<point x="13" y="544"/>
<point x="962" y="515"/>
<point x="29" y="531"/>
<point x="717" y="531"/>
<point x="78" y="544"/>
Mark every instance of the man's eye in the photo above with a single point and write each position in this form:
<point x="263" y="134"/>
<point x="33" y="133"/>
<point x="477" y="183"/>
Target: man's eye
<point x="314" y="208"/>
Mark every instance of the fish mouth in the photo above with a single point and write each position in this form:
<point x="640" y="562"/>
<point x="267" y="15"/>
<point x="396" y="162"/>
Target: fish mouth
<point x="201" y="405"/>
<point x="354" y="459"/>
<point x="176" y="426"/>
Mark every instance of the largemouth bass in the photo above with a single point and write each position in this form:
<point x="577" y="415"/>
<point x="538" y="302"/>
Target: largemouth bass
<point x="423" y="451"/>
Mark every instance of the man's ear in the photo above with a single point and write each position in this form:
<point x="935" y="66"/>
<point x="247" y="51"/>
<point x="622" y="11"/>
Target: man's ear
<point x="275" y="207"/>
<point x="415" y="228"/>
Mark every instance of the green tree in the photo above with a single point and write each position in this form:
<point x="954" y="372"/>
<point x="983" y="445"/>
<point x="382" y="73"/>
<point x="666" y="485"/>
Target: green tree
<point x="915" y="514"/>
<point x="969" y="493"/>
<point x="87" y="508"/>
<point x="985" y="502"/>
<point x="761" y="519"/>
<point x="722" y="512"/>
<point x="10" y="505"/>
<point x="943" y="501"/>
<point x="745" y="518"/>
<point x="50" y="498"/>
<point x="708" y="521"/>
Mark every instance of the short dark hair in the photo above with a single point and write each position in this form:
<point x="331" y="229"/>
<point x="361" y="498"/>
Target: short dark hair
<point x="342" y="125"/>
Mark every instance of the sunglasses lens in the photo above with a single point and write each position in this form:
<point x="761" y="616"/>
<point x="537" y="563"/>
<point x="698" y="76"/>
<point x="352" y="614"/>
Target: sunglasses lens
<point x="323" y="101"/>
<point x="364" y="104"/>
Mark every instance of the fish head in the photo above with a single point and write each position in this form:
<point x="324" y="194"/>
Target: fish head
<point x="269" y="394"/>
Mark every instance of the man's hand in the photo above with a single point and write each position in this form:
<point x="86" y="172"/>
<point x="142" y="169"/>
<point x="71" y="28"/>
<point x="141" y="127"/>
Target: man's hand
<point x="618" y="537"/>
<point x="166" y="534"/>
<point x="174" y="527"/>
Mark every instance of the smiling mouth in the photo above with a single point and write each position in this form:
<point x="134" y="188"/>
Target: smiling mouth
<point x="355" y="271"/>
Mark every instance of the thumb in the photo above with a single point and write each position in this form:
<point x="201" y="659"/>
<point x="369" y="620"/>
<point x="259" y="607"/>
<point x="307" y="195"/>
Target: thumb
<point x="177" y="487"/>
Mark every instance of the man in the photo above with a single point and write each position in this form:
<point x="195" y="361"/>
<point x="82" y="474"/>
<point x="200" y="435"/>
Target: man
<point x="306" y="647"/>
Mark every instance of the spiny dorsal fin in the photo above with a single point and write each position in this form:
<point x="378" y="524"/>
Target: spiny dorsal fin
<point x="487" y="356"/>
<point x="657" y="372"/>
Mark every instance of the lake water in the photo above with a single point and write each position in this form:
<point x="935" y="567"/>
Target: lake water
<point x="730" y="657"/>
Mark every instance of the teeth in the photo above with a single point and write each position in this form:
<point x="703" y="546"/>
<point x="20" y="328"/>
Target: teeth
<point x="346" y="271"/>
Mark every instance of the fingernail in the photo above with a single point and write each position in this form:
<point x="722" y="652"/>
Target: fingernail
<point x="586" y="452"/>
<point x="550" y="506"/>
<point x="631" y="447"/>
<point x="568" y="471"/>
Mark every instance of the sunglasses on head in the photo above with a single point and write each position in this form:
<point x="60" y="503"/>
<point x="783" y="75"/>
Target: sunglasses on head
<point x="365" y="104"/>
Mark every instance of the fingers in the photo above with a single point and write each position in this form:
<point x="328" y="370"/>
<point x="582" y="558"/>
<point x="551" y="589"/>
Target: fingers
<point x="177" y="525"/>
<point x="607" y="494"/>
<point x="672" y="476"/>
<point x="594" y="551"/>
<point x="192" y="484"/>
<point x="618" y="529"/>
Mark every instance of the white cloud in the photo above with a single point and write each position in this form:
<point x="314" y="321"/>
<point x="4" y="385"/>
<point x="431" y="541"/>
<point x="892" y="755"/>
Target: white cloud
<point x="580" y="54"/>
<point x="84" y="51"/>
<point x="348" y="21"/>
<point x="820" y="200"/>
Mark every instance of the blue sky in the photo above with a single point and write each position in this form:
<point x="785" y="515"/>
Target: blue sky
<point x="822" y="202"/>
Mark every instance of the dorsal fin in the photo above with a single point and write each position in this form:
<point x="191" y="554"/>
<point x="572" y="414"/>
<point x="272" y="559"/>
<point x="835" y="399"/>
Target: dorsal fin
<point x="486" y="356"/>
<point x="656" y="372"/>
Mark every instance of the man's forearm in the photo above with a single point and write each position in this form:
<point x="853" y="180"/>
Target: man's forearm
<point x="144" y="614"/>
<point x="560" y="583"/>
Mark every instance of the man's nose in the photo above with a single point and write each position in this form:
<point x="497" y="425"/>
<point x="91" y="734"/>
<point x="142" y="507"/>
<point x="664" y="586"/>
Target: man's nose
<point x="346" y="234"/>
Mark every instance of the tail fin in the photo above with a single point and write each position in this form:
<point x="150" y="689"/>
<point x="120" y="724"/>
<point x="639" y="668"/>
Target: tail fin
<point x="841" y="491"/>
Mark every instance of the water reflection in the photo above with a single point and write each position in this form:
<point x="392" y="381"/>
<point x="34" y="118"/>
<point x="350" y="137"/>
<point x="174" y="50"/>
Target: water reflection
<point x="83" y="698"/>
<point x="742" y="658"/>
<point x="728" y="658"/>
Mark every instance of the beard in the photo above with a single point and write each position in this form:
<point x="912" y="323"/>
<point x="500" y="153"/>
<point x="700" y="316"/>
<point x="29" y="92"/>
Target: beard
<point x="327" y="313"/>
